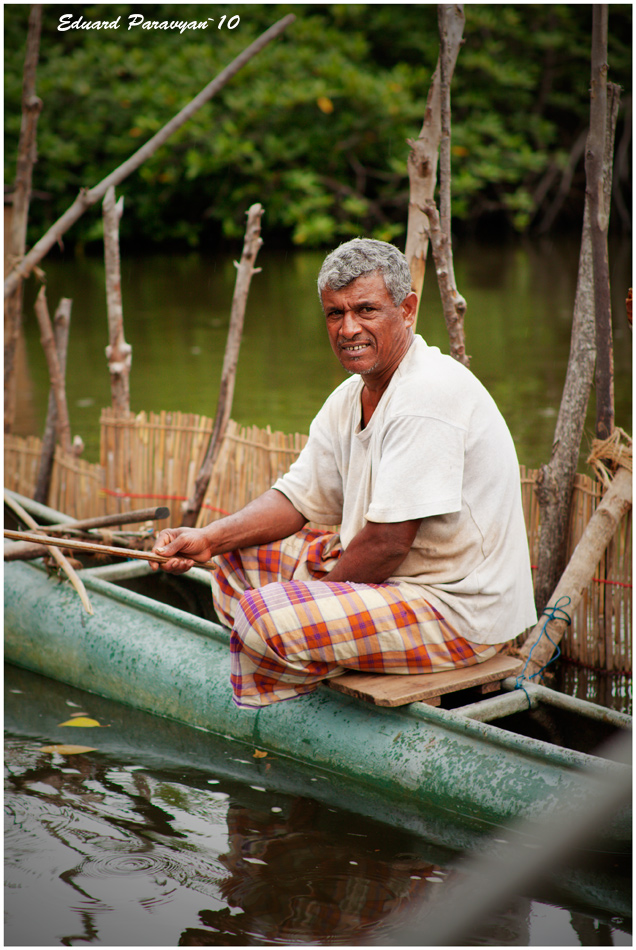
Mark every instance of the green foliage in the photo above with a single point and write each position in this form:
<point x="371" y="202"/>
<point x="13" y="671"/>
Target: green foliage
<point x="315" y="127"/>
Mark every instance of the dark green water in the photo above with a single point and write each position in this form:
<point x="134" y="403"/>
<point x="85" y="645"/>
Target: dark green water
<point x="165" y="836"/>
<point x="176" y="310"/>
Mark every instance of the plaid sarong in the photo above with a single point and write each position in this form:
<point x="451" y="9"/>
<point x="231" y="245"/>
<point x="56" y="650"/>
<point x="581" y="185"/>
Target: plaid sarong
<point x="292" y="627"/>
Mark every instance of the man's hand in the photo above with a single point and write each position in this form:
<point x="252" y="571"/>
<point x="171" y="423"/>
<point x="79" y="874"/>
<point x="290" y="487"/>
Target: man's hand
<point x="184" y="546"/>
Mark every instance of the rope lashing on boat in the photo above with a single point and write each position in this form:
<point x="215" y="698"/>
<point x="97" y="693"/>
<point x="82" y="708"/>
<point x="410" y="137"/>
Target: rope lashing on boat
<point x="555" y="612"/>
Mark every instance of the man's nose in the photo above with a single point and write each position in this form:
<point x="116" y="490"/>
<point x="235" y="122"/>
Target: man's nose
<point x="350" y="325"/>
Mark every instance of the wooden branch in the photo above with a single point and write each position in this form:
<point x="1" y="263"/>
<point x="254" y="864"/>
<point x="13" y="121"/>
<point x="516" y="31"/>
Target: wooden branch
<point x="61" y="325"/>
<point x="555" y="481"/>
<point x="451" y="27"/>
<point x="68" y="569"/>
<point x="598" y="533"/>
<point x="422" y="170"/>
<point x="598" y="225"/>
<point x="88" y="197"/>
<point x="55" y="372"/>
<point x="245" y="271"/>
<point x="27" y="156"/>
<point x="118" y="352"/>
<point x="453" y="303"/>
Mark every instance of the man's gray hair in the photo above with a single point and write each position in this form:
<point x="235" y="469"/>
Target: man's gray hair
<point x="365" y="256"/>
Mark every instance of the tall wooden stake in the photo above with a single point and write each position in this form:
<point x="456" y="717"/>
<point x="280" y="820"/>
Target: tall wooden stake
<point x="245" y="271"/>
<point x="27" y="156"/>
<point x="55" y="372"/>
<point x="422" y="159"/>
<point x="555" y="480"/>
<point x="599" y="217"/>
<point x="88" y="197"/>
<point x="118" y="352"/>
<point x="61" y="325"/>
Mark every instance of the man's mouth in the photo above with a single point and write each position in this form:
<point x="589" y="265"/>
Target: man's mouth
<point x="353" y="347"/>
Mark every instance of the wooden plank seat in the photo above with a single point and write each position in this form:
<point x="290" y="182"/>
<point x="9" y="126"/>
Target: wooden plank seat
<point x="389" y="689"/>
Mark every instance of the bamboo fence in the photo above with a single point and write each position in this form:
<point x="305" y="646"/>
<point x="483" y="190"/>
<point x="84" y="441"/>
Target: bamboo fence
<point x="154" y="458"/>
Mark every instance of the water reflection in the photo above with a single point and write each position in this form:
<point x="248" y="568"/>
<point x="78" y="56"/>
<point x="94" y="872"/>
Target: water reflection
<point x="136" y="848"/>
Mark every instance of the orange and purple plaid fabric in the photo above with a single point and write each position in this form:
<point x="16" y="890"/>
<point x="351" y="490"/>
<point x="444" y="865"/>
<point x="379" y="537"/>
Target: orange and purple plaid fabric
<point x="292" y="627"/>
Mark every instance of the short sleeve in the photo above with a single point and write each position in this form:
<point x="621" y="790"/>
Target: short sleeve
<point x="420" y="470"/>
<point x="313" y="483"/>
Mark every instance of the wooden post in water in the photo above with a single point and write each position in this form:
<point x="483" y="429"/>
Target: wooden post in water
<point x="55" y="371"/>
<point x="118" y="352"/>
<point x="27" y="156"/>
<point x="422" y="159"/>
<point x="599" y="219"/>
<point x="61" y="325"/>
<point x="555" y="480"/>
<point x="245" y="271"/>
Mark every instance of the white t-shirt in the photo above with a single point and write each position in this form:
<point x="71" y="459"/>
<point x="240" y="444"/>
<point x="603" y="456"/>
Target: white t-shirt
<point x="436" y="448"/>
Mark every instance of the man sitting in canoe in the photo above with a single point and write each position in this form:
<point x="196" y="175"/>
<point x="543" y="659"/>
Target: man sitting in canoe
<point x="411" y="457"/>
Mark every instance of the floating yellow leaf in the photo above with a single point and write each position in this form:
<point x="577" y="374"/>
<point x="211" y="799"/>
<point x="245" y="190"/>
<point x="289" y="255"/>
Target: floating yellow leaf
<point x="83" y="721"/>
<point x="324" y="104"/>
<point x="67" y="749"/>
<point x="259" y="755"/>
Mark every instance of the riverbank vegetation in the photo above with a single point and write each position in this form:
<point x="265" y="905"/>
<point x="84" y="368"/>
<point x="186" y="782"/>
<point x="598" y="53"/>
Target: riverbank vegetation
<point x="316" y="126"/>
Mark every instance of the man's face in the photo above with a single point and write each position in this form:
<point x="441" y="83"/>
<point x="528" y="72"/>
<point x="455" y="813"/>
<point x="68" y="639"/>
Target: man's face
<point x="368" y="333"/>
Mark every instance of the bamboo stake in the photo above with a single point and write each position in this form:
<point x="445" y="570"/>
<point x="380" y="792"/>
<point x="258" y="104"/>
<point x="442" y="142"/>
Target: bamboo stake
<point x="118" y="352"/>
<point x="55" y="370"/>
<point x="68" y="569"/>
<point x="61" y="325"/>
<point x="88" y="197"/>
<point x="27" y="156"/>
<point x="245" y="271"/>
<point x="89" y="547"/>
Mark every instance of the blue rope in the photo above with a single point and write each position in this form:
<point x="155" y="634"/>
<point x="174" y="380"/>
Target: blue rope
<point x="556" y="612"/>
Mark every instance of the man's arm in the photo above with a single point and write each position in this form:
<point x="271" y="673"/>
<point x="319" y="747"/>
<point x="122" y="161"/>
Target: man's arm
<point x="376" y="552"/>
<point x="269" y="517"/>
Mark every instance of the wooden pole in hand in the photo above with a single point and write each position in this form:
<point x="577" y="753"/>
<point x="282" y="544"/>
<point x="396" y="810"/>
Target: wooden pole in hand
<point x="245" y="271"/>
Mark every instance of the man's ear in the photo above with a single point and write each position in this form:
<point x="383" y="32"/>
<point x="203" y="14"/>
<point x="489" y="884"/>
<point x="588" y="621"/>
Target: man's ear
<point x="409" y="305"/>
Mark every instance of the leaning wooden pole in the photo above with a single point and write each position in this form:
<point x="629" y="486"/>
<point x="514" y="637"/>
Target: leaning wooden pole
<point x="27" y="157"/>
<point x="599" y="531"/>
<point x="61" y="325"/>
<point x="118" y="352"/>
<point x="423" y="156"/>
<point x="88" y="197"/>
<point x="599" y="217"/>
<point x="64" y="564"/>
<point x="245" y="272"/>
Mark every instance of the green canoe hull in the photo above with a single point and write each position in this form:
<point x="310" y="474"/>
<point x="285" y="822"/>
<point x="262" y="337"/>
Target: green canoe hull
<point x="414" y="759"/>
